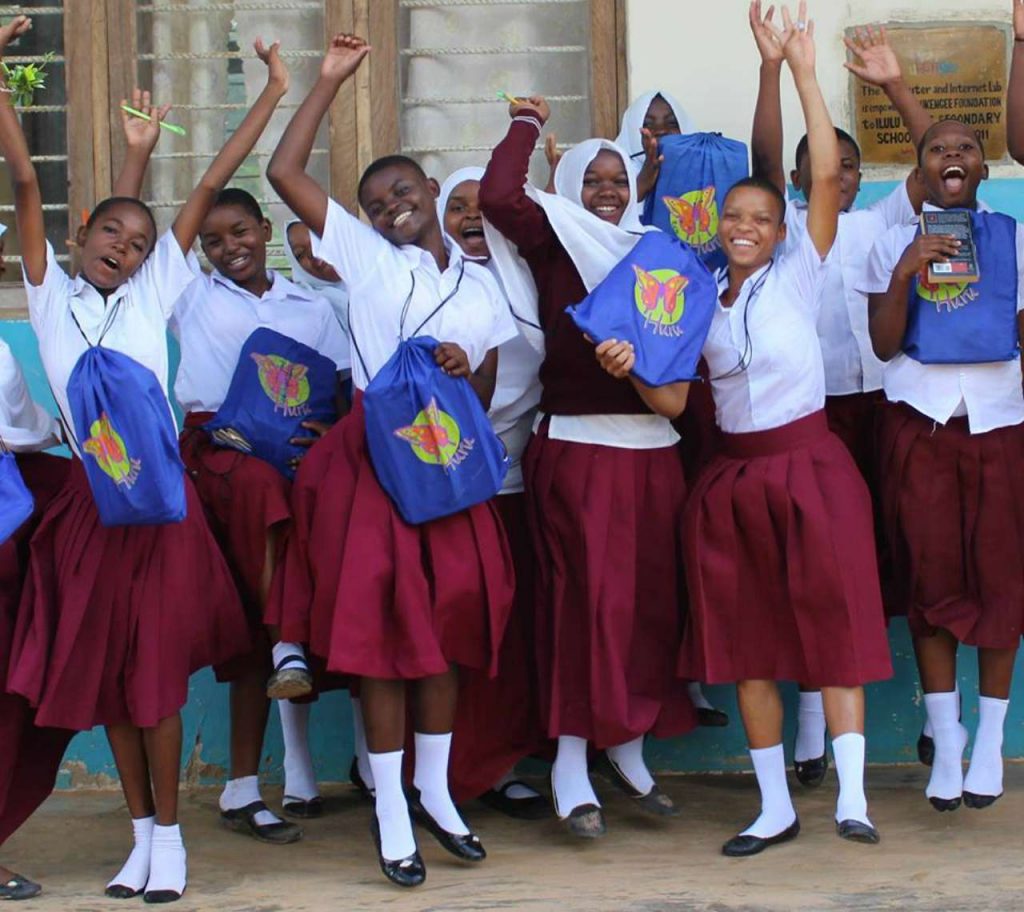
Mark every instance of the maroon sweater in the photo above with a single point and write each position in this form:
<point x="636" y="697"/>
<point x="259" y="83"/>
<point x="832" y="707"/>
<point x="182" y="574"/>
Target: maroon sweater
<point x="572" y="380"/>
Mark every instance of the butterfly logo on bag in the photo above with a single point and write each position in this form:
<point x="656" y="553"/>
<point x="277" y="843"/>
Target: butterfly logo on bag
<point x="285" y="383"/>
<point x="434" y="438"/>
<point x="946" y="295"/>
<point x="659" y="297"/>
<point x="108" y="449"/>
<point x="694" y="218"/>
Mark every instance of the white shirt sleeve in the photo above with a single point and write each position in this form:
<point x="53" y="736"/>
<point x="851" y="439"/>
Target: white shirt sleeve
<point x="895" y="207"/>
<point x="48" y="299"/>
<point x="355" y="250"/>
<point x="332" y="342"/>
<point x="882" y="260"/>
<point x="164" y="275"/>
<point x="805" y="268"/>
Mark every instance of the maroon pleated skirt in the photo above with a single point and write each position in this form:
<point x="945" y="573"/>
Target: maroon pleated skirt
<point x="780" y="564"/>
<point x="953" y="505"/>
<point x="112" y="621"/>
<point x="605" y="524"/>
<point x="497" y="722"/>
<point x="382" y="598"/>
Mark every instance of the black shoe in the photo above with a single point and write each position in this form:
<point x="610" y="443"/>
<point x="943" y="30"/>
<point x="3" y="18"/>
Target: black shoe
<point x="243" y="820"/>
<point x="811" y="773"/>
<point x="709" y="717"/>
<point x="406" y="872"/>
<point x="742" y="846"/>
<point x="979" y="802"/>
<point x="945" y="804"/>
<point x="162" y="896"/>
<point x="19" y="887"/>
<point x="533" y="807"/>
<point x="856" y="831"/>
<point x="291" y="679"/>
<point x="467" y="847"/>
<point x="654" y="802"/>
<point x="353" y="776"/>
<point x="926" y="749"/>
<point x="301" y="808"/>
<point x="586" y="821"/>
<point x="114" y="891"/>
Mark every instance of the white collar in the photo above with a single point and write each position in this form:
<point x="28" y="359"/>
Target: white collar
<point x="722" y="276"/>
<point x="280" y="287"/>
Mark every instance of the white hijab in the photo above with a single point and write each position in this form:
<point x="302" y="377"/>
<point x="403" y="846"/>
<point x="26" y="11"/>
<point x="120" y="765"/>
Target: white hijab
<point x="335" y="292"/>
<point x="633" y="120"/>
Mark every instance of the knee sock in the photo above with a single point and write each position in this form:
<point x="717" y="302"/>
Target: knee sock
<point x="985" y="774"/>
<point x="810" y="727"/>
<point x="927" y="729"/>
<point x="848" y="751"/>
<point x="396" y="839"/>
<point x="299" y="778"/>
<point x="628" y="759"/>
<point x="697" y="697"/>
<point x="517" y="791"/>
<point x="947" y="779"/>
<point x="359" y="737"/>
<point x="135" y="871"/>
<point x="281" y="651"/>
<point x="570" y="782"/>
<point x="777" y="812"/>
<point x="168" y="863"/>
<point x="240" y="793"/>
<point x="431" y="778"/>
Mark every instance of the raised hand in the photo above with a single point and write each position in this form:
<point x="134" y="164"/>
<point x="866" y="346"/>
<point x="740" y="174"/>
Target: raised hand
<point x="876" y="62"/>
<point x="534" y="104"/>
<point x="797" y="39"/>
<point x="138" y="133"/>
<point x="13" y="29"/>
<point x="648" y="176"/>
<point x="277" y="72"/>
<point x="344" y="54"/>
<point x="554" y="155"/>
<point x="765" y="36"/>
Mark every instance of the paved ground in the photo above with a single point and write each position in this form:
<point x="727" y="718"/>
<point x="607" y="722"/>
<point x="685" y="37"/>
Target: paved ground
<point x="969" y="860"/>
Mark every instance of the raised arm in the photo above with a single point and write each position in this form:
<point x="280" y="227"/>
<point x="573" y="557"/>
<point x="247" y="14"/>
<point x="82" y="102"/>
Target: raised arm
<point x="766" y="136"/>
<point x="236" y="149"/>
<point x="28" y="200"/>
<point x="140" y="138"/>
<point x="287" y="169"/>
<point x="1015" y="93"/>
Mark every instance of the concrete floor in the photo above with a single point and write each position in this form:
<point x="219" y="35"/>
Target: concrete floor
<point x="968" y="860"/>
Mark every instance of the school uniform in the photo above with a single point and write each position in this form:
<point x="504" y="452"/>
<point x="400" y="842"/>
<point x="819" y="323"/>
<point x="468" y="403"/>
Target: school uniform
<point x="371" y="594"/>
<point x="604" y="485"/>
<point x="951" y="444"/>
<point x="778" y="539"/>
<point x="244" y="496"/>
<point x="112" y="621"/>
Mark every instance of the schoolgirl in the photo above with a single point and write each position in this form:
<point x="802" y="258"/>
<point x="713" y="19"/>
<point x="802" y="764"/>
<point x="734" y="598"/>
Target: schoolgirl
<point x="951" y="442"/>
<point x="393" y="603"/>
<point x="779" y="548"/>
<point x="31" y="756"/>
<point x="603" y="479"/>
<point x="645" y="121"/>
<point x="113" y="619"/>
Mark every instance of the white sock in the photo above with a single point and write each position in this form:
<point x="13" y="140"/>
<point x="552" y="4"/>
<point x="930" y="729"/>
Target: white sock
<point x="570" y="782"/>
<point x="281" y="651"/>
<point x="777" y="812"/>
<point x="359" y="736"/>
<point x="519" y="791"/>
<point x="168" y="863"/>
<point x="985" y="774"/>
<point x="299" y="778"/>
<point x="239" y="793"/>
<point x="947" y="779"/>
<point x="396" y="839"/>
<point x="431" y="778"/>
<point x="848" y="751"/>
<point x="810" y="727"/>
<point x="927" y="730"/>
<point x="135" y="871"/>
<point x="697" y="697"/>
<point x="628" y="759"/>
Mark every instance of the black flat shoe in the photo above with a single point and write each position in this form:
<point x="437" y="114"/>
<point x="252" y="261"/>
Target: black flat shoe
<point x="945" y="804"/>
<point x="19" y="887"/>
<point x="406" y="872"/>
<point x="467" y="847"/>
<point x="585" y="821"/>
<point x="302" y="809"/>
<point x="811" y="773"/>
<point x="926" y="749"/>
<point x="533" y="807"/>
<point x="162" y="896"/>
<point x="744" y="846"/>
<point x="856" y="831"/>
<point x="243" y="820"/>
<point x="353" y="776"/>
<point x="709" y="717"/>
<point x="980" y="802"/>
<point x="114" y="891"/>
<point x="291" y="679"/>
<point x="654" y="802"/>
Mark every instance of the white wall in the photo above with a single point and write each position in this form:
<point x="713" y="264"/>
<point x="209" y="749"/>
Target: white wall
<point x="703" y="53"/>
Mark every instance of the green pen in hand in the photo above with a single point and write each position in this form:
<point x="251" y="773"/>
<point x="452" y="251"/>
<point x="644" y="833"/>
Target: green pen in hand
<point x="174" y="128"/>
<point x="511" y="99"/>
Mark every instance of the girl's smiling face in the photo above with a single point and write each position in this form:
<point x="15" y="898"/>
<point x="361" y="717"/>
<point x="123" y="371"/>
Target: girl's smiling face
<point x="750" y="226"/>
<point x="463" y="221"/>
<point x="605" y="190"/>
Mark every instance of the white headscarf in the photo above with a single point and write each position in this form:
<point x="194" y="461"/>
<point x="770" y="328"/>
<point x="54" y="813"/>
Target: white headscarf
<point x="24" y="425"/>
<point x="335" y="292"/>
<point x="633" y="120"/>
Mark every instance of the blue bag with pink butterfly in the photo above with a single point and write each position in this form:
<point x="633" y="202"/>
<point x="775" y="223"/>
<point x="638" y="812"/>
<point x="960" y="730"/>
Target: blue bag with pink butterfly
<point x="661" y="298"/>
<point x="698" y="171"/>
<point x="278" y="384"/>
<point x="431" y="444"/>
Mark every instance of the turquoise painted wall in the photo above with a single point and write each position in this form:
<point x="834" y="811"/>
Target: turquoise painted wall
<point x="894" y="713"/>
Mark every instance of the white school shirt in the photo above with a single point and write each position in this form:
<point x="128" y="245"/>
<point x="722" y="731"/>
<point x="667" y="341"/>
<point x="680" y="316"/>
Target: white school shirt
<point x="214" y="317"/>
<point x="25" y="426"/>
<point x="770" y="328"/>
<point x="988" y="394"/>
<point x="850" y="362"/>
<point x="380" y="277"/>
<point x="138" y="328"/>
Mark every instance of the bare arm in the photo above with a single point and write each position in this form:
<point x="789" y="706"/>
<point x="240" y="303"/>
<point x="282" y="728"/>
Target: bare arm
<point x="619" y="358"/>
<point x="1015" y="92"/>
<point x="190" y="217"/>
<point x="767" y="134"/>
<point x="484" y="379"/>
<point x="140" y="138"/>
<point x="287" y="169"/>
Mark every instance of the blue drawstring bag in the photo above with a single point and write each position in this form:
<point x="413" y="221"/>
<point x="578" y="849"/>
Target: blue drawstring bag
<point x="661" y="298"/>
<point x="16" y="503"/>
<point x="278" y="384"/>
<point x="430" y="441"/>
<point x="698" y="171"/>
<point x="126" y="438"/>
<point x="970" y="323"/>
